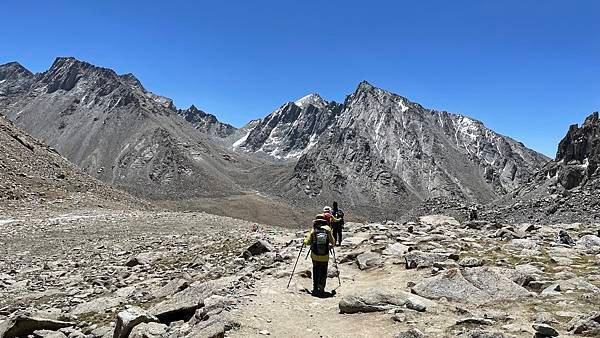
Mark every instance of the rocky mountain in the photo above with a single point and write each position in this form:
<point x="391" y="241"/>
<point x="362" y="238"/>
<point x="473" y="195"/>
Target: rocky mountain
<point x="565" y="189"/>
<point x="33" y="175"/>
<point x="380" y="149"/>
<point x="114" y="129"/>
<point x="293" y="129"/>
<point x="207" y="123"/>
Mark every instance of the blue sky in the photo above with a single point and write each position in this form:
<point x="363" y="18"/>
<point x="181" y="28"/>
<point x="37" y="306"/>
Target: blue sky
<point x="525" y="68"/>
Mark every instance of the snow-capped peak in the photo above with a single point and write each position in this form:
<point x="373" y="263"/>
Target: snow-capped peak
<point x="313" y="99"/>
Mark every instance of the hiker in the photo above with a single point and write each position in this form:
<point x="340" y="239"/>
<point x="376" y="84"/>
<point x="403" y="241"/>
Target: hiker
<point x="320" y="240"/>
<point x="337" y="223"/>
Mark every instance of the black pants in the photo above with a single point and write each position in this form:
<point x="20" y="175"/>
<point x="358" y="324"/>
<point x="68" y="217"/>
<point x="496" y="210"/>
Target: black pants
<point x="337" y="233"/>
<point x="319" y="276"/>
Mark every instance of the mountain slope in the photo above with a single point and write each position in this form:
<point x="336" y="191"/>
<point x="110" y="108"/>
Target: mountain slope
<point x="380" y="151"/>
<point x="566" y="189"/>
<point x="207" y="123"/>
<point x="115" y="130"/>
<point x="33" y="174"/>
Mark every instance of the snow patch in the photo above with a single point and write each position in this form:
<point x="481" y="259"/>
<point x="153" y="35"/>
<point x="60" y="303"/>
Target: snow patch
<point x="239" y="142"/>
<point x="309" y="99"/>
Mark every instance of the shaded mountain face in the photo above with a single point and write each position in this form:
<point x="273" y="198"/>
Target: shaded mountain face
<point x="33" y="174"/>
<point x="207" y="123"/>
<point x="380" y="149"/>
<point x="566" y="189"/>
<point x="114" y="129"/>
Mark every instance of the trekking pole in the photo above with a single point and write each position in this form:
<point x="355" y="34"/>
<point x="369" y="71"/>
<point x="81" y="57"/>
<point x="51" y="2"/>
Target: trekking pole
<point x="336" y="267"/>
<point x="294" y="270"/>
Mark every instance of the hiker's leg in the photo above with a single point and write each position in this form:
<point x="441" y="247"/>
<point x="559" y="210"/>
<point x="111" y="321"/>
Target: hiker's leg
<point x="315" y="276"/>
<point x="339" y="235"/>
<point x="322" y="276"/>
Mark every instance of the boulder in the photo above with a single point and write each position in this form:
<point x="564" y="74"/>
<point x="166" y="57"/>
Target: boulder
<point x="589" y="244"/>
<point x="144" y="258"/>
<point x="396" y="249"/>
<point x="171" y="288"/>
<point x="183" y="305"/>
<point x="98" y="305"/>
<point x="563" y="237"/>
<point x="129" y="318"/>
<point x="419" y="259"/>
<point x="149" y="330"/>
<point x="412" y="333"/>
<point x="588" y="325"/>
<point x="474" y="285"/>
<point x="470" y="262"/>
<point x="48" y="334"/>
<point x="484" y="334"/>
<point x="214" y="330"/>
<point x="375" y="300"/>
<point x="22" y="325"/>
<point x="439" y="220"/>
<point x="544" y="330"/>
<point x="260" y="247"/>
<point x="369" y="260"/>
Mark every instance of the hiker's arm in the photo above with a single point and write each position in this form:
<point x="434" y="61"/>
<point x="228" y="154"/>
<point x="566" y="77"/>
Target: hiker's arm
<point x="307" y="238"/>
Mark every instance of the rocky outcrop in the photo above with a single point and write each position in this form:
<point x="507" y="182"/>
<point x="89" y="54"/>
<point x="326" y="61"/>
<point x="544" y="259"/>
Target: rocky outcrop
<point x="207" y="123"/>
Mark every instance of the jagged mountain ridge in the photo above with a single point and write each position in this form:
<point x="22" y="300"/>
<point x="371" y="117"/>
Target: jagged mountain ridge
<point x="114" y="129"/>
<point x="565" y="189"/>
<point x="207" y="123"/>
<point x="381" y="148"/>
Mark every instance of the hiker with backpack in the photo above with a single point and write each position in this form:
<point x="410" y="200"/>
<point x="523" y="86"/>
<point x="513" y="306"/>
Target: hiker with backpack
<point x="321" y="241"/>
<point x="337" y="223"/>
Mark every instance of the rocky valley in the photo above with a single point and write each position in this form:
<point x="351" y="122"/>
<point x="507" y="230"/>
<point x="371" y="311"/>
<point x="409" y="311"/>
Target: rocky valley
<point x="122" y="215"/>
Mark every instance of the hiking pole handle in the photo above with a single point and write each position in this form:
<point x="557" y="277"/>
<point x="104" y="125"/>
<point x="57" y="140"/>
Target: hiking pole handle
<point x="294" y="270"/>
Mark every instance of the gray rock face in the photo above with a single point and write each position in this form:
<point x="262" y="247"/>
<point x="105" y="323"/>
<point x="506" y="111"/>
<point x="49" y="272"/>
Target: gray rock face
<point x="207" y="123"/>
<point x="369" y="260"/>
<point x="149" y="330"/>
<point x="471" y="285"/>
<point x="115" y="130"/>
<point x="544" y="330"/>
<point x="412" y="333"/>
<point x="377" y="146"/>
<point x="130" y="318"/>
<point x="375" y="300"/>
<point x="589" y="243"/>
<point x="21" y="325"/>
<point x="588" y="325"/>
<point x="416" y="259"/>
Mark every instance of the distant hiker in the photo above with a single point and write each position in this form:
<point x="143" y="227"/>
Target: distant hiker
<point x="473" y="214"/>
<point x="320" y="240"/>
<point x="564" y="238"/>
<point x="337" y="223"/>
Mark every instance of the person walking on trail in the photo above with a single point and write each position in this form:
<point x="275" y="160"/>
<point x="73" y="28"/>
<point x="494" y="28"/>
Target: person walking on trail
<point x="337" y="223"/>
<point x="321" y="241"/>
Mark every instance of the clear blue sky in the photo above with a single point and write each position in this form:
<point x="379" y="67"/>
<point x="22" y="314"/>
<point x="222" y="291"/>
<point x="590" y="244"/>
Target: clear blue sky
<point x="525" y="68"/>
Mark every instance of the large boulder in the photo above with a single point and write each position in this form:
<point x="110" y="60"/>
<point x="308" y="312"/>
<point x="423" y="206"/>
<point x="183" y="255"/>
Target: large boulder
<point x="183" y="304"/>
<point x="439" y="220"/>
<point x="473" y="285"/>
<point x="419" y="259"/>
<point x="259" y="247"/>
<point x="98" y="305"/>
<point x="395" y="249"/>
<point x="130" y="318"/>
<point x="412" y="333"/>
<point x="588" y="325"/>
<point x="368" y="260"/>
<point x="23" y="325"/>
<point x="213" y="330"/>
<point x="149" y="330"/>
<point x="589" y="244"/>
<point x="374" y="300"/>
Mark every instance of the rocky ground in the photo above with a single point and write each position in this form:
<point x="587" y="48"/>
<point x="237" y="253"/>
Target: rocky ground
<point x="145" y="274"/>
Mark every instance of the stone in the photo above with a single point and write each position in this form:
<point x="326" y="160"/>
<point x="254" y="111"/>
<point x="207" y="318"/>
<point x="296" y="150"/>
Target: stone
<point x="484" y="334"/>
<point x="264" y="332"/>
<point x="144" y="258"/>
<point x="415" y="305"/>
<point x="171" y="288"/>
<point x="474" y="321"/>
<point x="412" y="333"/>
<point x="48" y="334"/>
<point x="545" y="330"/>
<point x="260" y="247"/>
<point x="474" y="285"/>
<point x="149" y="330"/>
<point x="439" y="220"/>
<point x="22" y="325"/>
<point x="369" y="260"/>
<point x="563" y="237"/>
<point x="589" y="244"/>
<point x="377" y="300"/>
<point x="470" y="262"/>
<point x="586" y="324"/>
<point x="418" y="259"/>
<point x="129" y="318"/>
<point x="183" y="305"/>
<point x="98" y="305"/>
<point x="214" y="330"/>
<point x="395" y="249"/>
